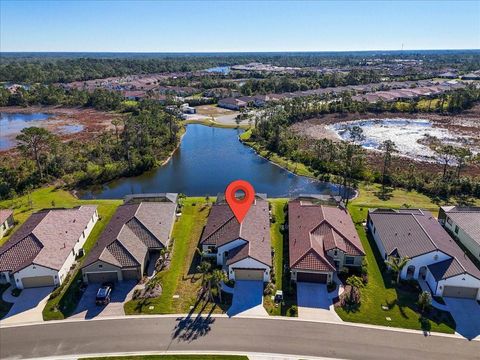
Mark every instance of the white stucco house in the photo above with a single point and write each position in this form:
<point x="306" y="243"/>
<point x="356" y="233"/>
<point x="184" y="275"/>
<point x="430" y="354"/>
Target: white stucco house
<point x="464" y="224"/>
<point x="434" y="257"/>
<point x="243" y="250"/>
<point x="42" y="251"/>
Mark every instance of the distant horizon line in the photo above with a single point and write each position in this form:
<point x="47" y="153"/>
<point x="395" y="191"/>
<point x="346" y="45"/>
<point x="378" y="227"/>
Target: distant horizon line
<point x="230" y="52"/>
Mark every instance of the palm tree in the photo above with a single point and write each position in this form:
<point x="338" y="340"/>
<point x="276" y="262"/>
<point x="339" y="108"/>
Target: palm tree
<point x="204" y="269"/>
<point x="424" y="300"/>
<point x="396" y="264"/>
<point x="356" y="283"/>
<point x="216" y="279"/>
<point x="162" y="260"/>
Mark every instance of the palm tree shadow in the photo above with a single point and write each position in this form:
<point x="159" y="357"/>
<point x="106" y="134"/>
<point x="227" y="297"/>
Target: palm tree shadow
<point x="191" y="328"/>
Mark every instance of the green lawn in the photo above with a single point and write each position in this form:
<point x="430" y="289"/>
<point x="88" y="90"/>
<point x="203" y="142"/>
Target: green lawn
<point x="280" y="260"/>
<point x="171" y="357"/>
<point x="210" y="123"/>
<point x="381" y="292"/>
<point x="181" y="277"/>
<point x="67" y="295"/>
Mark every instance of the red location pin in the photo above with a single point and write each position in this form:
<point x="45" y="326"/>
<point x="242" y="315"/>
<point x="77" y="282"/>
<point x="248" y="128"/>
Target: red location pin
<point x="241" y="206"/>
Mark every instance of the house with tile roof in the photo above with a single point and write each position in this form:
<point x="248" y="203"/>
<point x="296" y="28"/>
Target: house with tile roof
<point x="133" y="238"/>
<point x="6" y="221"/>
<point x="322" y="240"/>
<point x="243" y="250"/>
<point x="435" y="259"/>
<point x="42" y="251"/>
<point x="232" y="103"/>
<point x="463" y="223"/>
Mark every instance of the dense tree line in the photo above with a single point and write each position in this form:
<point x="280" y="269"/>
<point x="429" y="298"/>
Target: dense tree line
<point x="66" y="67"/>
<point x="344" y="162"/>
<point x="307" y="81"/>
<point x="142" y="140"/>
<point x="100" y="99"/>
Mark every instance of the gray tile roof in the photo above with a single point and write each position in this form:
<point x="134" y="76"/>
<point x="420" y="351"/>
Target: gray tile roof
<point x="446" y="269"/>
<point x="314" y="229"/>
<point x="222" y="227"/>
<point x="135" y="228"/>
<point x="468" y="219"/>
<point x="416" y="232"/>
<point x="46" y="238"/>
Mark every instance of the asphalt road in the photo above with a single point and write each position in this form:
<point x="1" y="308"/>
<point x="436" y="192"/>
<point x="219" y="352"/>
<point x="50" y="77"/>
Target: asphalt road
<point x="224" y="334"/>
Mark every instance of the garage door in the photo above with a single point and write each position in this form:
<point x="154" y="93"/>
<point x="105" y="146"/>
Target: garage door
<point x="131" y="274"/>
<point x="248" y="274"/>
<point x="101" y="277"/>
<point x="37" y="281"/>
<point x="312" y="277"/>
<point x="460" y="292"/>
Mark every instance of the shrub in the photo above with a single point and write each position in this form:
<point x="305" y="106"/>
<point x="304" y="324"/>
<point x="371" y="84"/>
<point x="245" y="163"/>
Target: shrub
<point x="269" y="289"/>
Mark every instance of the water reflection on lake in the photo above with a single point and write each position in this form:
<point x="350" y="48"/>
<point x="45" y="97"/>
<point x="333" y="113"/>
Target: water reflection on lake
<point x="207" y="160"/>
<point x="12" y="123"/>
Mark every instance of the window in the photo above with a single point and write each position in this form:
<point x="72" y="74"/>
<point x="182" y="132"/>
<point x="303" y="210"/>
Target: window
<point x="100" y="266"/>
<point x="456" y="229"/>
<point x="374" y="229"/>
<point x="335" y="252"/>
<point x="349" y="260"/>
<point x="449" y="221"/>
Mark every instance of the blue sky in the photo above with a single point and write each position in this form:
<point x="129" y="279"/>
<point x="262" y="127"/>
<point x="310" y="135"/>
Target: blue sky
<point x="203" y="26"/>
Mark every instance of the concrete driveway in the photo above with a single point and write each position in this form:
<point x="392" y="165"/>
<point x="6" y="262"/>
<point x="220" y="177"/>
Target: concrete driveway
<point x="87" y="309"/>
<point x="28" y="306"/>
<point x="313" y="302"/>
<point x="247" y="299"/>
<point x="466" y="314"/>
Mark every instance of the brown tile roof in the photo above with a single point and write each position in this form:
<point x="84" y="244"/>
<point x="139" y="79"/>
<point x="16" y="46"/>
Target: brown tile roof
<point x="413" y="232"/>
<point x="4" y="215"/>
<point x="134" y="228"/>
<point x="45" y="239"/>
<point x="222" y="227"/>
<point x="232" y="101"/>
<point x="467" y="218"/>
<point x="314" y="229"/>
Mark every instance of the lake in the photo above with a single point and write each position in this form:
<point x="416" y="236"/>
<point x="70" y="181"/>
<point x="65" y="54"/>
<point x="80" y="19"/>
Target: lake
<point x="12" y="123"/>
<point x="207" y="160"/>
<point x="225" y="70"/>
